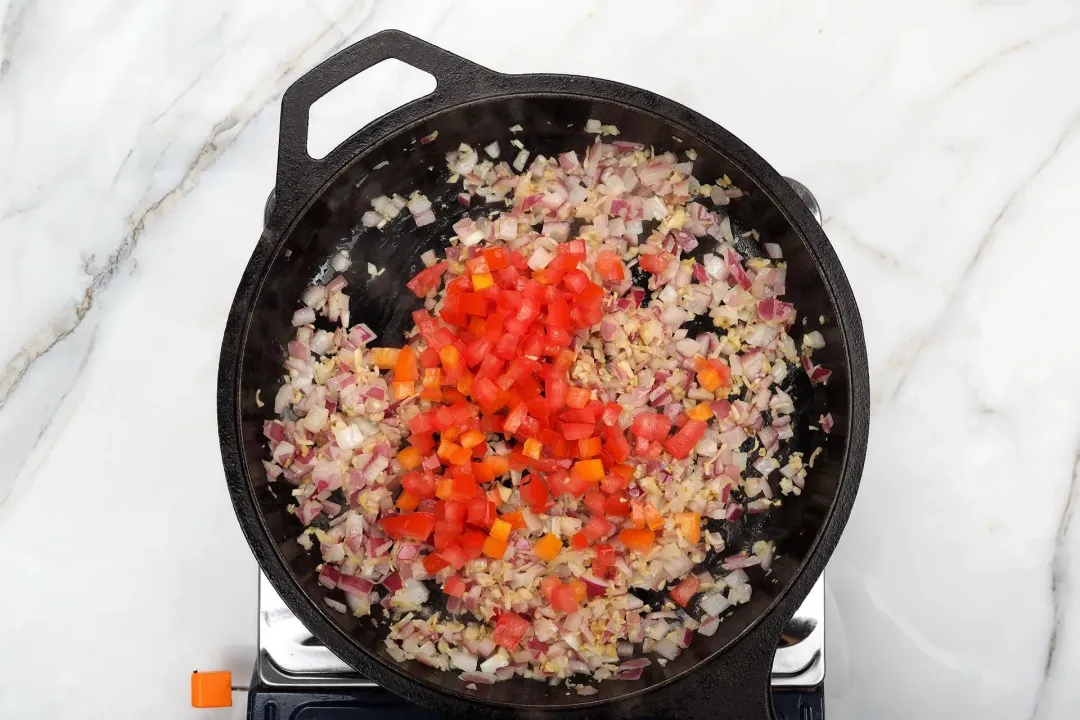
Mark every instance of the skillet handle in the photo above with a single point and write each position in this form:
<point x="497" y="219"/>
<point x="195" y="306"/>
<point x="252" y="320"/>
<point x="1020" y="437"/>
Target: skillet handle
<point x="456" y="78"/>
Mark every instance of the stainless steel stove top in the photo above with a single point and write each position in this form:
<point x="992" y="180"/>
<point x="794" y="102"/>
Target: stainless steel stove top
<point x="289" y="656"/>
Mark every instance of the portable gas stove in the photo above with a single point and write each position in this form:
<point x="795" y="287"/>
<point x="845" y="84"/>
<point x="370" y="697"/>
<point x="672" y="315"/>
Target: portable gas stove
<point x="297" y="678"/>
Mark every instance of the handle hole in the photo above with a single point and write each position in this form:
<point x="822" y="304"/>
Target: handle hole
<point x="338" y="114"/>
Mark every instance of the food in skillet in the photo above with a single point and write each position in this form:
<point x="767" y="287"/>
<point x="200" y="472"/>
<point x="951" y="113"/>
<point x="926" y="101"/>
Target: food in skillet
<point x="532" y="483"/>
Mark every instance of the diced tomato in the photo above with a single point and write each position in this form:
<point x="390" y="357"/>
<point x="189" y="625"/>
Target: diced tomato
<point x="454" y="586"/>
<point x="563" y="360"/>
<point x="596" y="528"/>
<point x="617" y="505"/>
<point x="579" y="541"/>
<point x="560" y="482"/>
<point x="654" y="264"/>
<point x="535" y="493"/>
<point x="481" y="512"/>
<point x="472" y="542"/>
<point x="476" y="351"/>
<point x="454" y="555"/>
<point x="548" y="585"/>
<point x="575" y="281"/>
<point x="610" y="267"/>
<point x="509" y="629"/>
<point x="576" y="431"/>
<point x="427" y="279"/>
<point x="422" y="485"/>
<point x="429" y="358"/>
<point x="563" y="599"/>
<point x="595" y="501"/>
<point x="616" y="444"/>
<point x="681" y="443"/>
<point x="590" y="295"/>
<point x="610" y="414"/>
<point x="496" y="259"/>
<point x="434" y="563"/>
<point x="605" y="556"/>
<point x="651" y="426"/>
<point x="514" y="419"/>
<point x="684" y="592"/>
<point x="408" y="526"/>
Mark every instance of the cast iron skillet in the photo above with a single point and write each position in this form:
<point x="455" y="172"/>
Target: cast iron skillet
<point x="316" y="210"/>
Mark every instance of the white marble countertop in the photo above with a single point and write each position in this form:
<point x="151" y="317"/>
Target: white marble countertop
<point x="942" y="139"/>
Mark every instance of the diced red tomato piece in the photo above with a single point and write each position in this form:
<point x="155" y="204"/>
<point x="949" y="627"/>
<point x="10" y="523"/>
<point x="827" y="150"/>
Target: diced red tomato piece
<point x="610" y="267"/>
<point x="434" y="563"/>
<point x="576" y="431"/>
<point x="509" y="629"/>
<point x="454" y="586"/>
<point x="654" y="264"/>
<point x="595" y="501"/>
<point x="427" y="279"/>
<point x="596" y="528"/>
<point x="454" y="555"/>
<point x="651" y="426"/>
<point x="681" y="443"/>
<point x="408" y="526"/>
<point x="535" y="493"/>
<point x="605" y="556"/>
<point x="563" y="599"/>
<point x="684" y="592"/>
<point x="617" y="505"/>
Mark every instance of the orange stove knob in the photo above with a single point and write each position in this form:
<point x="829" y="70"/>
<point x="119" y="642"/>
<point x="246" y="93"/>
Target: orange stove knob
<point x="211" y="689"/>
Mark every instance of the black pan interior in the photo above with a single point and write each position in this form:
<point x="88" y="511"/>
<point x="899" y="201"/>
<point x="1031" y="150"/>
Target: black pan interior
<point x="551" y="124"/>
